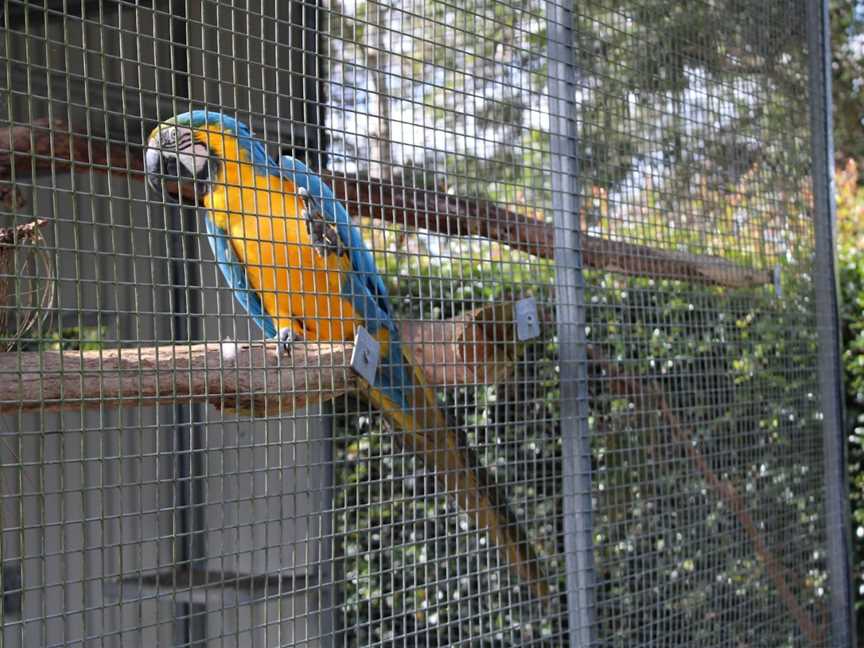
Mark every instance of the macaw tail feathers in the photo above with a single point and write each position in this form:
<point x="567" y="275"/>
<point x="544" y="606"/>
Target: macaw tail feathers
<point x="426" y="432"/>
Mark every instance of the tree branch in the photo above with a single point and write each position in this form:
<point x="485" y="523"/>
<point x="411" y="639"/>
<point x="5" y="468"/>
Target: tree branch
<point x="51" y="145"/>
<point x="474" y="348"/>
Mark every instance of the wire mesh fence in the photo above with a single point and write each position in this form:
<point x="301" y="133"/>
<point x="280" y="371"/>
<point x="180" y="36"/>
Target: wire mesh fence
<point x="419" y="323"/>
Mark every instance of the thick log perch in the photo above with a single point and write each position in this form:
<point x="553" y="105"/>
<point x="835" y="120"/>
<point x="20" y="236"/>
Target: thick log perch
<point x="474" y="348"/>
<point x="48" y="145"/>
<point x="54" y="380"/>
<point x="250" y="376"/>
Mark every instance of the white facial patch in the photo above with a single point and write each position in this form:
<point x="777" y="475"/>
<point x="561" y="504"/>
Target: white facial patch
<point x="193" y="157"/>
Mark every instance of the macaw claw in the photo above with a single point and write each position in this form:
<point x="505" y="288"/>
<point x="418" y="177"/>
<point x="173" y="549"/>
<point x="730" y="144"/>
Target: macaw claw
<point x="229" y="349"/>
<point x="324" y="236"/>
<point x="286" y="338"/>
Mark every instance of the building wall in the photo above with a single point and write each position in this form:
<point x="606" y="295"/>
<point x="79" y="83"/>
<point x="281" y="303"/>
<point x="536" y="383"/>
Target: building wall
<point x="100" y="510"/>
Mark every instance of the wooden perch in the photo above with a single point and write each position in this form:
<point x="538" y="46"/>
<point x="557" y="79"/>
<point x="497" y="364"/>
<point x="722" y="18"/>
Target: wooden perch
<point x="51" y="144"/>
<point x="451" y="215"/>
<point x="643" y="261"/>
<point x="248" y="376"/>
<point x="48" y="145"/>
<point x="473" y="348"/>
<point x="24" y="233"/>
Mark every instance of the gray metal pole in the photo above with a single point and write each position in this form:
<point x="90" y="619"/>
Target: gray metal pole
<point x="570" y="305"/>
<point x="828" y="322"/>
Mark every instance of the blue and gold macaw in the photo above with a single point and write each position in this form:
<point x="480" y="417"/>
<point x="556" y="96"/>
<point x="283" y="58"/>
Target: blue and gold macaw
<point x="301" y="270"/>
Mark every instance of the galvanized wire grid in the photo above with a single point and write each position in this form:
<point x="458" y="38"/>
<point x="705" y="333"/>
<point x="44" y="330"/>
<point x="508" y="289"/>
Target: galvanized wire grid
<point x="709" y="522"/>
<point x="684" y="226"/>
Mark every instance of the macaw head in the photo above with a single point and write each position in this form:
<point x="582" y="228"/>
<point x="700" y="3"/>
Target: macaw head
<point x="190" y="153"/>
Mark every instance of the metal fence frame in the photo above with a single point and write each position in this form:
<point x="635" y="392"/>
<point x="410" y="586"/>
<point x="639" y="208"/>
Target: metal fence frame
<point x="570" y="322"/>
<point x="838" y="528"/>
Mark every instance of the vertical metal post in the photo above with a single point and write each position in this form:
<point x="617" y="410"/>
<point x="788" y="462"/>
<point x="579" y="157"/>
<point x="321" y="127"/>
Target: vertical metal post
<point x="570" y="300"/>
<point x="189" y="433"/>
<point x="828" y="322"/>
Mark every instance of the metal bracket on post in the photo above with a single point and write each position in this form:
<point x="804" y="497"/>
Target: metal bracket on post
<point x="527" y="319"/>
<point x="778" y="286"/>
<point x="366" y="355"/>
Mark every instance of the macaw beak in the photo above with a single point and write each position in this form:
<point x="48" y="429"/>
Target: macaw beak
<point x="178" y="166"/>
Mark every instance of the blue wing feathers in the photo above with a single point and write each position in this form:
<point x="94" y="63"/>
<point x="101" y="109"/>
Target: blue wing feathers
<point x="235" y="274"/>
<point x="362" y="260"/>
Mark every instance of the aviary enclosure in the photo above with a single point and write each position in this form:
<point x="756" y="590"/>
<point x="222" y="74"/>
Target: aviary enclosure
<point x="600" y="232"/>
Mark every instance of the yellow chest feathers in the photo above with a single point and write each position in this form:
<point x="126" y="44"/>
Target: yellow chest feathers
<point x="299" y="287"/>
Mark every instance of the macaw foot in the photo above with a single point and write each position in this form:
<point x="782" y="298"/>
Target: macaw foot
<point x="324" y="236"/>
<point x="229" y="350"/>
<point x="287" y="337"/>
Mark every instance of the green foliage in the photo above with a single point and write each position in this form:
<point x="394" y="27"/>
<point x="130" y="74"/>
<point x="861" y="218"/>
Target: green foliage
<point x="847" y="58"/>
<point x="850" y="261"/>
<point x="692" y="129"/>
<point x="852" y="294"/>
<point x="672" y="556"/>
<point x="668" y="548"/>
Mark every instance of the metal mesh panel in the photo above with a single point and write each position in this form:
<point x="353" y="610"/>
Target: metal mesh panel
<point x="706" y="425"/>
<point x="594" y="232"/>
